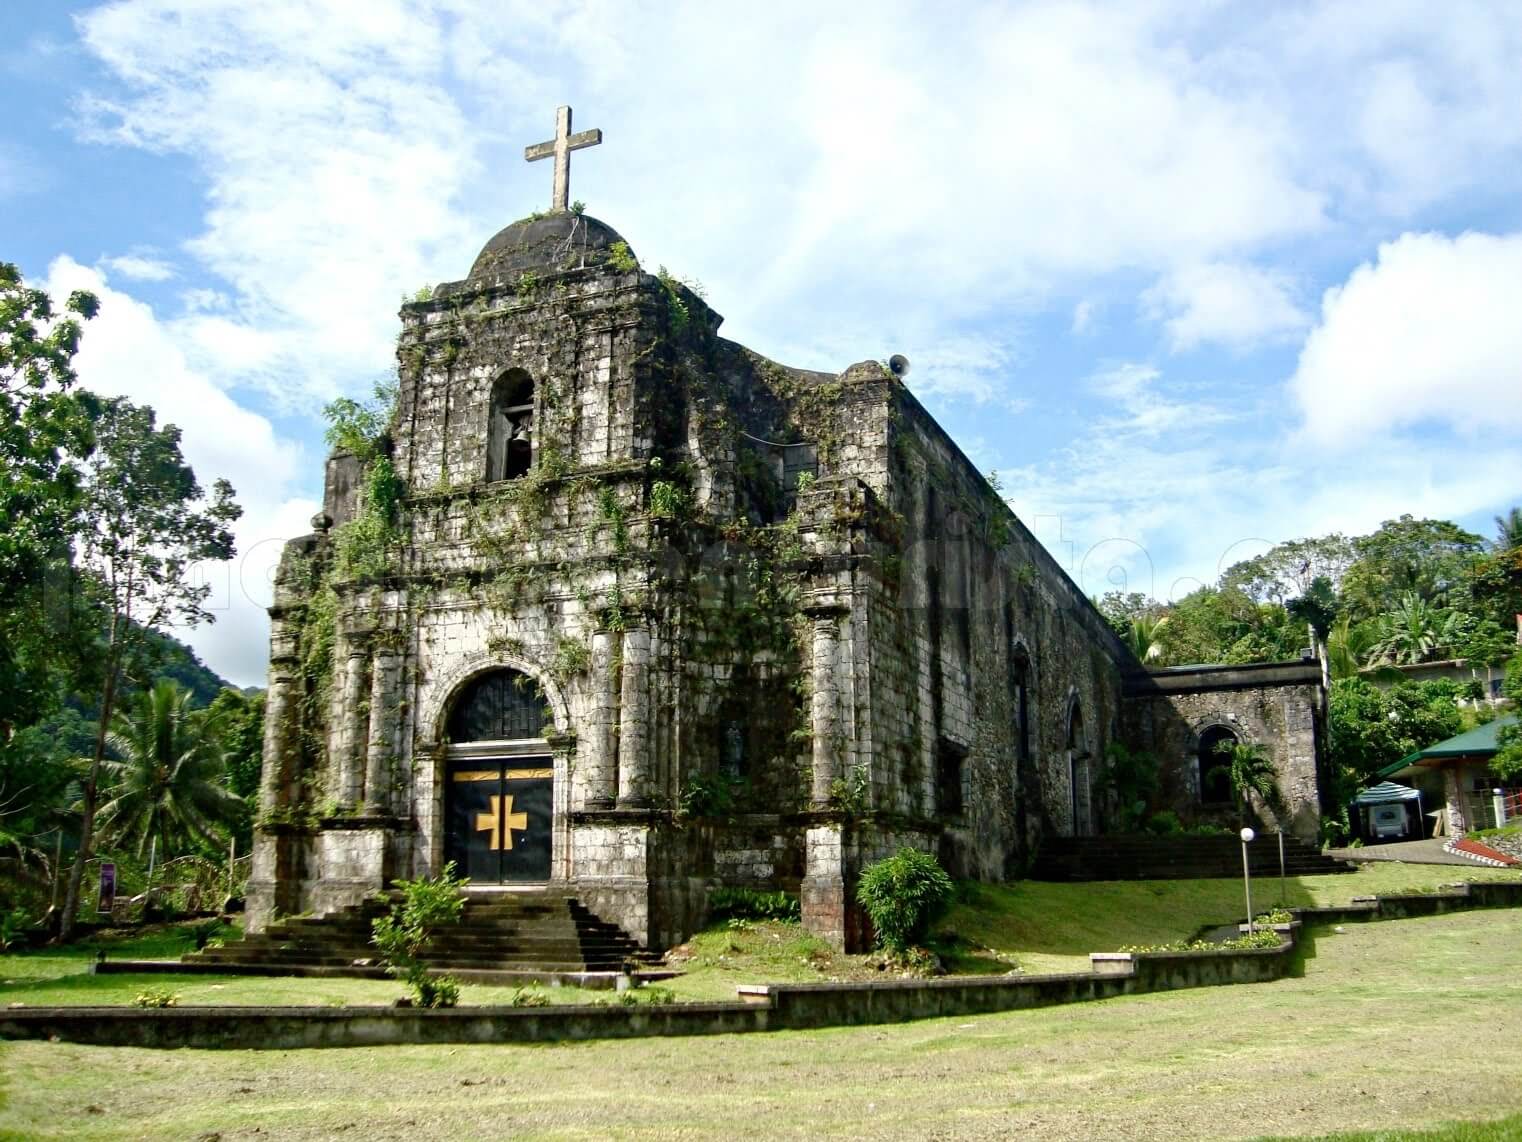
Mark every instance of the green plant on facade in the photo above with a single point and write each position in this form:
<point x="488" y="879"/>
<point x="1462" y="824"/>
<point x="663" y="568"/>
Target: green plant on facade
<point x="405" y="932"/>
<point x="903" y="895"/>
<point x="709" y="795"/>
<point x="849" y="794"/>
<point x="621" y="258"/>
<point x="571" y="658"/>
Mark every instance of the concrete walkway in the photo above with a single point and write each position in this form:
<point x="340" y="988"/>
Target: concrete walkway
<point x="1412" y="852"/>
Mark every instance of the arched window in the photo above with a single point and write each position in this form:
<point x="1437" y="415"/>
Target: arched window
<point x="1215" y="784"/>
<point x="502" y="706"/>
<point x="510" y="426"/>
<point x="1020" y="695"/>
<point x="1078" y="772"/>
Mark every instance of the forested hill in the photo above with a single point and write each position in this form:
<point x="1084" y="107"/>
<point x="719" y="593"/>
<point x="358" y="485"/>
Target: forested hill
<point x="176" y="661"/>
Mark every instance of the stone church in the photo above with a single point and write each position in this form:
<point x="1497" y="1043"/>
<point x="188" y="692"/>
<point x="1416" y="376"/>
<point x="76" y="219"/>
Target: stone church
<point x="652" y="614"/>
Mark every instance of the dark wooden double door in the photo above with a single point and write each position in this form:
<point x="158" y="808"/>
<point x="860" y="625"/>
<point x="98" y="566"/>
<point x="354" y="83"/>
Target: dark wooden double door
<point x="497" y="819"/>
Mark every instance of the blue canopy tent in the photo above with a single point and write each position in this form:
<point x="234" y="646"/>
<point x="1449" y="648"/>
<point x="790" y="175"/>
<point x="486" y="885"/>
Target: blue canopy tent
<point x="1381" y="812"/>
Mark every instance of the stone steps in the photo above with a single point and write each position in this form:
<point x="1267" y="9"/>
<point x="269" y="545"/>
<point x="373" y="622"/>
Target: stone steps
<point x="1175" y="858"/>
<point x="519" y="932"/>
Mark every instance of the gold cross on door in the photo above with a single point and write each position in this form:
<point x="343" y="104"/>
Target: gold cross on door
<point x="501" y="822"/>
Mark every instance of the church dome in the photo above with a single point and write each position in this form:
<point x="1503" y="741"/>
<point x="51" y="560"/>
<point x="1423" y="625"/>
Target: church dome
<point x="551" y="242"/>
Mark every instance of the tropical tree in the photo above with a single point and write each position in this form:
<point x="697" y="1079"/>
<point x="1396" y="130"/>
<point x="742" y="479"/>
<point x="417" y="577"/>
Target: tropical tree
<point x="1318" y="608"/>
<point x="1415" y="632"/>
<point x="147" y="525"/>
<point x="1347" y="647"/>
<point x="1249" y="772"/>
<point x="1509" y="530"/>
<point x="1142" y="636"/>
<point x="1427" y="557"/>
<point x="168" y="779"/>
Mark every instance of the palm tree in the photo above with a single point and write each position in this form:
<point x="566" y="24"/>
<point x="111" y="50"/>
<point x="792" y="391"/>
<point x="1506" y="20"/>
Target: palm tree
<point x="1509" y="530"/>
<point x="1143" y="636"/>
<point x="168" y="781"/>
<point x="1414" y="632"/>
<point x="1249" y="772"/>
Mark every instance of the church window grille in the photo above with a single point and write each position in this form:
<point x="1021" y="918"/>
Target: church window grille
<point x="502" y="706"/>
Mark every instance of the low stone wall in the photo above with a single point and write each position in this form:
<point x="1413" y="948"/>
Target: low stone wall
<point x="772" y="1007"/>
<point x="768" y="1008"/>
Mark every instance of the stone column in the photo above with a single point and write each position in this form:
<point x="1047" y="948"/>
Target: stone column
<point x="599" y="763"/>
<point x="634" y="722"/>
<point x="344" y="737"/>
<point x="282" y="721"/>
<point x="385" y="673"/>
<point x="825" y="708"/>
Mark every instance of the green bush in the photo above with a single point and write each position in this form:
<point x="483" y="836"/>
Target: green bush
<point x="1165" y="823"/>
<point x="902" y="895"/>
<point x="404" y="933"/>
<point x="752" y="904"/>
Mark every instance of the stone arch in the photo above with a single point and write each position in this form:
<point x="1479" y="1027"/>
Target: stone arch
<point x="1078" y="751"/>
<point x="451" y="684"/>
<point x="1209" y="732"/>
<point x="510" y="426"/>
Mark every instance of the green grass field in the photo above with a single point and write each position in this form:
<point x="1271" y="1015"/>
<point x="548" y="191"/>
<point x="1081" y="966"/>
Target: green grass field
<point x="1035" y="927"/>
<point x="1395" y="1026"/>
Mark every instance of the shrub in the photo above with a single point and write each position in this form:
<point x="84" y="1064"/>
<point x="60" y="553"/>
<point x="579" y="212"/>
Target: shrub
<point x="527" y="997"/>
<point x="156" y="999"/>
<point x="902" y="895"/>
<point x="752" y="904"/>
<point x="404" y="933"/>
<point x="1165" y="823"/>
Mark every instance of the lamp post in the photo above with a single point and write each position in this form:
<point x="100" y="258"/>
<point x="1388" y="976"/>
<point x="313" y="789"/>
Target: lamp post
<point x="1247" y="835"/>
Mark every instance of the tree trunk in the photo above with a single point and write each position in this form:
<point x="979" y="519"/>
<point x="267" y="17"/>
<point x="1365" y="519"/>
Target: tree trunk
<point x="70" y="914"/>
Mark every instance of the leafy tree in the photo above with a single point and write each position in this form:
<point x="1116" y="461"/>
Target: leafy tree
<point x="1415" y="632"/>
<point x="1216" y="624"/>
<point x="1425" y="557"/>
<point x="147" y="525"/>
<point x="239" y="721"/>
<point x="1249" y="772"/>
<point x="1348" y="646"/>
<point x="1288" y="570"/>
<point x="1507" y="762"/>
<point x="45" y="423"/>
<point x="1371" y="728"/>
<point x="42" y="423"/>
<point x="1317" y="607"/>
<point x="167" y="780"/>
<point x="1121" y="608"/>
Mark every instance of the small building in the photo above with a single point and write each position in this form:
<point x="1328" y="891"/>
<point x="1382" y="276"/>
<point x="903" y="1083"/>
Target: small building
<point x="1456" y="774"/>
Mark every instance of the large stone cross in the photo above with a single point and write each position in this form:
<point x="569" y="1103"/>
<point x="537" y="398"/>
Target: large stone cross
<point x="561" y="147"/>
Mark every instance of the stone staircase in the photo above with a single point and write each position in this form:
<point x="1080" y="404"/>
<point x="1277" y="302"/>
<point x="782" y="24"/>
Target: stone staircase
<point x="512" y="932"/>
<point x="1175" y="858"/>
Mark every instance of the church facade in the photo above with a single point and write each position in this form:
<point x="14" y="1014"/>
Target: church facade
<point x="645" y="614"/>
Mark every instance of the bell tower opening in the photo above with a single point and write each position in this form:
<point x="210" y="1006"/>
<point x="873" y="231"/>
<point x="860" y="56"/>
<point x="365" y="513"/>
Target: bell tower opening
<point x="510" y="427"/>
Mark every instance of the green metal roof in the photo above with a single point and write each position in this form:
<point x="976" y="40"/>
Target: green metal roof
<point x="1478" y="742"/>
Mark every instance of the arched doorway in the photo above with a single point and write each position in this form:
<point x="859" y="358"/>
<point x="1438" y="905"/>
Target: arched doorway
<point x="1215" y="783"/>
<point x="499" y="781"/>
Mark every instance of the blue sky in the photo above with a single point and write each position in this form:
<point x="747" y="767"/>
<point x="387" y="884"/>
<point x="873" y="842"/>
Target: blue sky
<point x="1193" y="278"/>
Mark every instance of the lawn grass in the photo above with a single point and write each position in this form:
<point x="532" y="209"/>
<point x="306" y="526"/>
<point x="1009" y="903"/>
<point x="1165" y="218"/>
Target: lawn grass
<point x="1400" y="1025"/>
<point x="1031" y="926"/>
<point x="1501" y="1130"/>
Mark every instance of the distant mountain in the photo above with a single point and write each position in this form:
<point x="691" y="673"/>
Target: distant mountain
<point x="174" y="660"/>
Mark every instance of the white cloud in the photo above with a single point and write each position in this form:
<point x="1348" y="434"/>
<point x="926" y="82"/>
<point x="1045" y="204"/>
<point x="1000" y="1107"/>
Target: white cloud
<point x="1083" y="318"/>
<point x="127" y="351"/>
<point x="333" y="158"/>
<point x="1232" y="304"/>
<point x="139" y="267"/>
<point x="1428" y="332"/>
